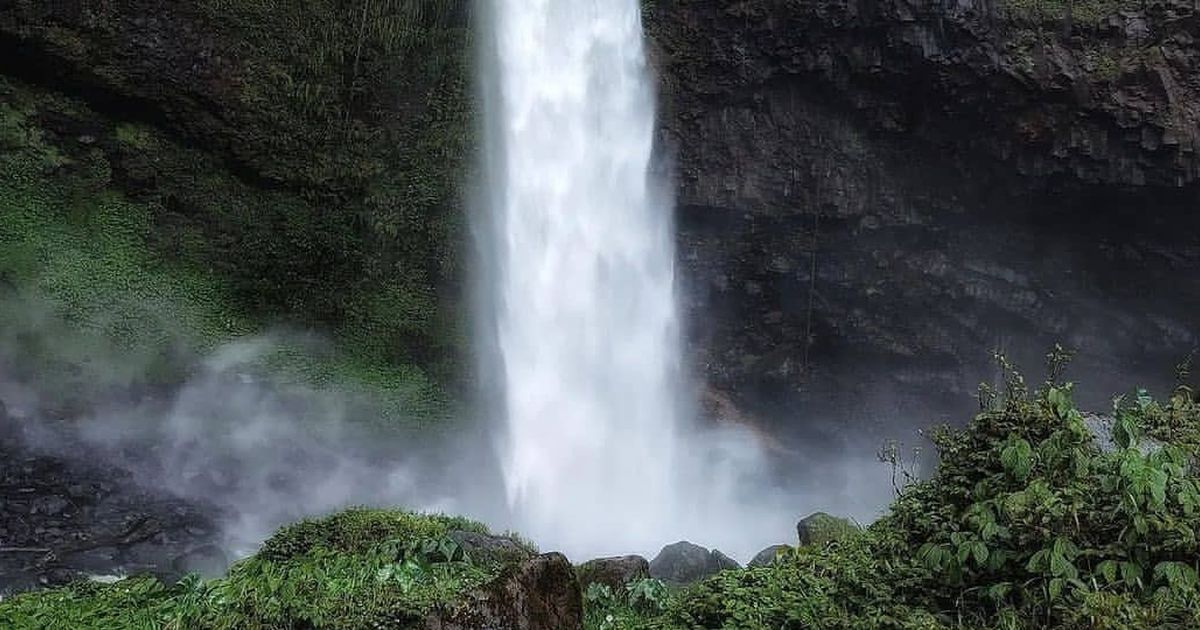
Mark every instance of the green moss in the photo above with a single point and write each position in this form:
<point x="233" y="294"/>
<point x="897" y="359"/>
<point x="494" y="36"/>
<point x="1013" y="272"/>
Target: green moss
<point x="820" y="529"/>
<point x="1087" y="13"/>
<point x="191" y="258"/>
<point x="318" y="185"/>
<point x="358" y="530"/>
<point x="83" y="285"/>
<point x="359" y="569"/>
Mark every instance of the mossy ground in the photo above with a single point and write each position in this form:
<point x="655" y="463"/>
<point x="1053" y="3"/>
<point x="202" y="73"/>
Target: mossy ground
<point x="354" y="570"/>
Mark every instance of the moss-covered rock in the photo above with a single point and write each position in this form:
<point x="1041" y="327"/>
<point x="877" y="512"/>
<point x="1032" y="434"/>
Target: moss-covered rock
<point x="820" y="529"/>
<point x="615" y="573"/>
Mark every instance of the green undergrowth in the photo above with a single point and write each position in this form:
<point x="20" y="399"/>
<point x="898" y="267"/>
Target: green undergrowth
<point x="354" y="570"/>
<point x="1029" y="522"/>
<point x="124" y="257"/>
<point x="1038" y="516"/>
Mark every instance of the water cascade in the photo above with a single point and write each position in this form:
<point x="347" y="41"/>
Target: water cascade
<point x="582" y="263"/>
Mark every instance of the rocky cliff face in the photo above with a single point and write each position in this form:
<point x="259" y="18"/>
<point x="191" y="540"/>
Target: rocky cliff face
<point x="310" y="158"/>
<point x="874" y="196"/>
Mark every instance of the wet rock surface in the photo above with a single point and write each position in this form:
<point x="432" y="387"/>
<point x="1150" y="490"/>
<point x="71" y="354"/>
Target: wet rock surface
<point x="684" y="562"/>
<point x="540" y="593"/>
<point x="768" y="556"/>
<point x="819" y="529"/>
<point x="64" y="519"/>
<point x="1013" y="175"/>
<point x="874" y="197"/>
<point x="486" y="548"/>
<point x="614" y="572"/>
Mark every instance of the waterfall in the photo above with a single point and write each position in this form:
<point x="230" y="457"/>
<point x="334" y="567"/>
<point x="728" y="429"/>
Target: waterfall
<point x="580" y="322"/>
<point x="585" y="318"/>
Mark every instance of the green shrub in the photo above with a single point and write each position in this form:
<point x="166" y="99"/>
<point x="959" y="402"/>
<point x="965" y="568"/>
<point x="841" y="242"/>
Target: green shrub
<point x="1030" y="521"/>
<point x="357" y="530"/>
<point x="820" y="529"/>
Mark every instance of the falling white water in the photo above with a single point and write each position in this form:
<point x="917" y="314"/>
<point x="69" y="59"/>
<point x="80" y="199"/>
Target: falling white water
<point x="587" y="323"/>
<point x="583" y="302"/>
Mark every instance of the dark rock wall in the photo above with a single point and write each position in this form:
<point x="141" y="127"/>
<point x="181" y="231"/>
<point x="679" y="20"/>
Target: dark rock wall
<point x="874" y="196"/>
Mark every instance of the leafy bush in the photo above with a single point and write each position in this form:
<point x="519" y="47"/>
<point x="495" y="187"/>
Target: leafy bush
<point x="357" y="530"/>
<point x="1034" y="519"/>
<point x="606" y="608"/>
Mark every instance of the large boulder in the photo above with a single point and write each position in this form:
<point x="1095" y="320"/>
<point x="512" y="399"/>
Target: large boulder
<point x="540" y="593"/>
<point x="769" y="555"/>
<point x="614" y="573"/>
<point x="684" y="563"/>
<point x="488" y="548"/>
<point x="819" y="529"/>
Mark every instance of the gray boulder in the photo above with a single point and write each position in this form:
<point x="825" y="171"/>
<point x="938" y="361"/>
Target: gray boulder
<point x="684" y="563"/>
<point x="612" y="572"/>
<point x="490" y="549"/>
<point x="769" y="555"/>
<point x="1101" y="427"/>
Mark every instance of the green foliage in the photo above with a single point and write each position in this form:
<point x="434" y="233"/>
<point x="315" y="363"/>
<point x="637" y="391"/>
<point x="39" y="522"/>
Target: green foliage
<point x="82" y="286"/>
<point x="639" y="601"/>
<point x="359" y="569"/>
<point x="820" y="529"/>
<point x="356" y="530"/>
<point x="1029" y="522"/>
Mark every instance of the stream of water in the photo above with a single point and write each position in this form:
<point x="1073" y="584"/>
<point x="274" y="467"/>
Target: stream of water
<point x="586" y="319"/>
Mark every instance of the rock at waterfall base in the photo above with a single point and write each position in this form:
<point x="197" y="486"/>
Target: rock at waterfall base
<point x="685" y="562"/>
<point x="614" y="572"/>
<point x="769" y="556"/>
<point x="820" y="529"/>
<point x="540" y="593"/>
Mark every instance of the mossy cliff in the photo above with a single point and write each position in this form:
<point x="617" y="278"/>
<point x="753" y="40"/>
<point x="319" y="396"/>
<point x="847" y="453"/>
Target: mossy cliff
<point x="206" y="170"/>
